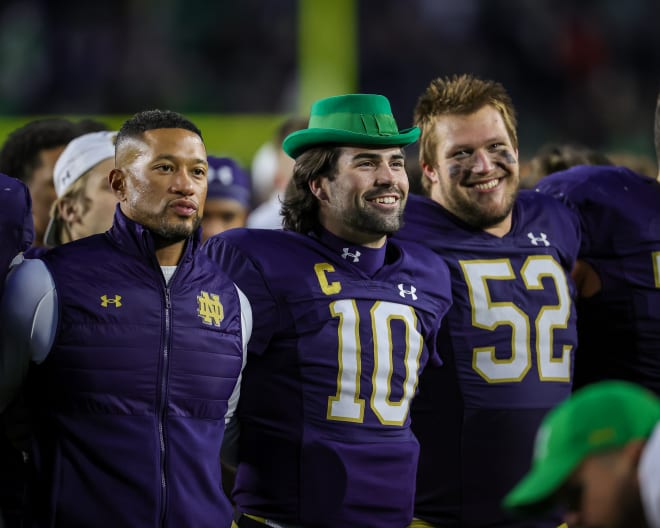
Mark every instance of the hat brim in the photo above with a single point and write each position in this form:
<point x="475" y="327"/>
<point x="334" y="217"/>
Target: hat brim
<point x="302" y="140"/>
<point x="533" y="493"/>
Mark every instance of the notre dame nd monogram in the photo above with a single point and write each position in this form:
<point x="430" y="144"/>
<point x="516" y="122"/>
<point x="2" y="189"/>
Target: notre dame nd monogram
<point x="209" y="308"/>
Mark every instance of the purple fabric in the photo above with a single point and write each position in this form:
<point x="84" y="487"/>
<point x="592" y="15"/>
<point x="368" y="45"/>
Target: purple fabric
<point x="227" y="179"/>
<point x="476" y="435"/>
<point x="16" y="228"/>
<point x="619" y="328"/>
<point x="301" y="461"/>
<point x="133" y="395"/>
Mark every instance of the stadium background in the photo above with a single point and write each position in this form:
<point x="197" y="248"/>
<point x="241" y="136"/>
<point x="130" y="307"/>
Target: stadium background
<point x="585" y="71"/>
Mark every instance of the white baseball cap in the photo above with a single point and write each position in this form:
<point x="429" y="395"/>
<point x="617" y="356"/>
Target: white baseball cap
<point x="80" y="155"/>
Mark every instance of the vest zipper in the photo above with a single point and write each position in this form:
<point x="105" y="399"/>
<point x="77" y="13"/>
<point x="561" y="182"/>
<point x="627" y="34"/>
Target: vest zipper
<point x="162" y="411"/>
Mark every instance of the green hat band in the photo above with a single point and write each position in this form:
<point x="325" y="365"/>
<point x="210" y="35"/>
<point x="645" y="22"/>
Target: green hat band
<point x="370" y="124"/>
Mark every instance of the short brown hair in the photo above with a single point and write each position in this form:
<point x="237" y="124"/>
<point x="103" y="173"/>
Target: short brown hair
<point x="459" y="94"/>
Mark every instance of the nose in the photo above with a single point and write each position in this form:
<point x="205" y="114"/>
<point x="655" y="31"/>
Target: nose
<point x="182" y="182"/>
<point x="386" y="175"/>
<point x="482" y="162"/>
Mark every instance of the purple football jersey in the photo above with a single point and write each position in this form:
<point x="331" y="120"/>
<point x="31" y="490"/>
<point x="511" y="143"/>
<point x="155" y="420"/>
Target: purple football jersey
<point x="332" y="367"/>
<point x="619" y="327"/>
<point x="507" y="344"/>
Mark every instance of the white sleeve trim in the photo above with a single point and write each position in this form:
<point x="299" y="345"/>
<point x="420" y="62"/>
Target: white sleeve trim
<point x="29" y="315"/>
<point x="246" y="333"/>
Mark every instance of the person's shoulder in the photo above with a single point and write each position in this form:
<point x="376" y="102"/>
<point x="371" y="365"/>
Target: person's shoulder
<point x="11" y="185"/>
<point x="533" y="200"/>
<point x="31" y="274"/>
<point x="420" y="258"/>
<point x="79" y="249"/>
<point x="14" y="198"/>
<point x="249" y="235"/>
<point x="590" y="179"/>
<point x="256" y="242"/>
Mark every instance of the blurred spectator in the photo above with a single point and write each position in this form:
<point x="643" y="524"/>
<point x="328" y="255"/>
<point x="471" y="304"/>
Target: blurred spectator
<point x="85" y="203"/>
<point x="267" y="215"/>
<point x="593" y="456"/>
<point x="553" y="157"/>
<point x="228" y="197"/>
<point x="639" y="163"/>
<point x="29" y="154"/>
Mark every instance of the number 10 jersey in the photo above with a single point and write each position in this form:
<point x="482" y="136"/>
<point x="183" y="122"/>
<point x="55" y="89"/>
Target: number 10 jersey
<point x="332" y="367"/>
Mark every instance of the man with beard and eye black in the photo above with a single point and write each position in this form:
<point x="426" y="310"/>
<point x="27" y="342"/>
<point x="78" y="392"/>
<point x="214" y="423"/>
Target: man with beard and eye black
<point x="508" y="341"/>
<point x="345" y="320"/>
<point x="136" y="342"/>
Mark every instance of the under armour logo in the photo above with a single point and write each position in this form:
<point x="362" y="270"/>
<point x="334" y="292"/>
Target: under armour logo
<point x="355" y="256"/>
<point x="210" y="309"/>
<point x="403" y="292"/>
<point x="543" y="239"/>
<point x="105" y="301"/>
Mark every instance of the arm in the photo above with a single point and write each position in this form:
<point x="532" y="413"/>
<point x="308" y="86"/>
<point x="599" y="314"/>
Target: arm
<point x="29" y="316"/>
<point x="586" y="279"/>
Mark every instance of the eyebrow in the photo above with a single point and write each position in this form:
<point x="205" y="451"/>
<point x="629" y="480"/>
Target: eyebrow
<point x="371" y="156"/>
<point x="172" y="158"/>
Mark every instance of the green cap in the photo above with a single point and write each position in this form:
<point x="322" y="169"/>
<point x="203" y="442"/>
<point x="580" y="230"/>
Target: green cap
<point x="353" y="119"/>
<point x="599" y="417"/>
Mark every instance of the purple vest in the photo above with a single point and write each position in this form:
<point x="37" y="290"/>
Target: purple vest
<point x="134" y="392"/>
<point x="16" y="228"/>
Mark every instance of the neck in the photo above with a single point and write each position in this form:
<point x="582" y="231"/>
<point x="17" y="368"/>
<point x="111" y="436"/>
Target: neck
<point x="501" y="229"/>
<point x="170" y="254"/>
<point x="359" y="238"/>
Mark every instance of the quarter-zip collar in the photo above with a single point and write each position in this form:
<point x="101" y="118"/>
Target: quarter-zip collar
<point x="136" y="239"/>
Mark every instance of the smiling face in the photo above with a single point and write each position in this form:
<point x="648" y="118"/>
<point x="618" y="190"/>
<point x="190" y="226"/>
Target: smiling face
<point x="161" y="181"/>
<point x="364" y="201"/>
<point x="476" y="173"/>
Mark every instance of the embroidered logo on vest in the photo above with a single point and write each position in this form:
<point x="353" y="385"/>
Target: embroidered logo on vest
<point x="210" y="309"/>
<point x="116" y="300"/>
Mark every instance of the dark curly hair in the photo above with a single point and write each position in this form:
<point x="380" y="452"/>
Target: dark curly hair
<point x="19" y="156"/>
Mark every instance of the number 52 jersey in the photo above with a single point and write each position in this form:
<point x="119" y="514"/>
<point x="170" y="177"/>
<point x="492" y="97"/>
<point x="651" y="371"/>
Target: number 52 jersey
<point x="507" y="344"/>
<point x="332" y="367"/>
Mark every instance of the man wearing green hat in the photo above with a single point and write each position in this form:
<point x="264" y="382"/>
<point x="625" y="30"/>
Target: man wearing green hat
<point x="344" y="321"/>
<point x="592" y="456"/>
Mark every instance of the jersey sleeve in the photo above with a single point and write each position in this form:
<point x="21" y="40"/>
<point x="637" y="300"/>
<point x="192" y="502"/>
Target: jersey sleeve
<point x="248" y="276"/>
<point x="29" y="315"/>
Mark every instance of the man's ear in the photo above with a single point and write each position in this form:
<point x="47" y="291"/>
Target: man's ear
<point x="117" y="181"/>
<point x="317" y="186"/>
<point x="70" y="210"/>
<point x="430" y="173"/>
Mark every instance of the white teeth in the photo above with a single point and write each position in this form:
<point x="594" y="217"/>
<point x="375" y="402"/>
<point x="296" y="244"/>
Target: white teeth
<point x="385" y="200"/>
<point x="488" y="185"/>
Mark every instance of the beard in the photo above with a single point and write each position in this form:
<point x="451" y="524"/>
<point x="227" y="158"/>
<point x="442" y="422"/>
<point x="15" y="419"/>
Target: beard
<point x="176" y="231"/>
<point x="362" y="219"/>
<point x="478" y="216"/>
